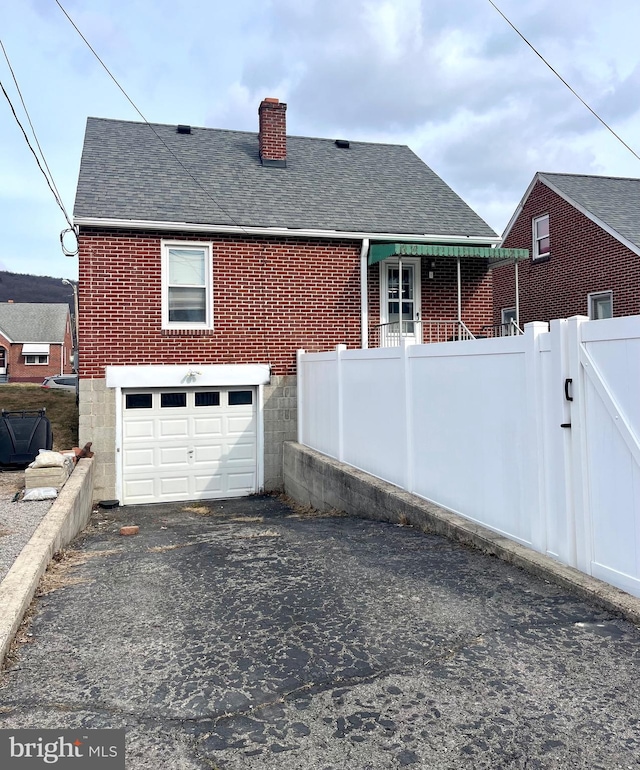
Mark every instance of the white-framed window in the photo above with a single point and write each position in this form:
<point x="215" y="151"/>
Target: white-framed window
<point x="541" y="240"/>
<point x="600" y="305"/>
<point x="36" y="359"/>
<point x="187" y="293"/>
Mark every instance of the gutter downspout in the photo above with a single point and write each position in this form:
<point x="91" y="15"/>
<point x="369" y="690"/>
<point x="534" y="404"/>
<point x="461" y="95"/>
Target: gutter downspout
<point x="515" y="262"/>
<point x="364" y="298"/>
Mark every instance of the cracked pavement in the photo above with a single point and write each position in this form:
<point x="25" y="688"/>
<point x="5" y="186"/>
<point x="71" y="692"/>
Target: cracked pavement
<point x="243" y="634"/>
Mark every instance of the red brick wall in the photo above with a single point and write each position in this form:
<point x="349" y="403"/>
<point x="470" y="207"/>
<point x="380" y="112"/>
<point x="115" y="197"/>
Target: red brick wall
<point x="20" y="372"/>
<point x="584" y="259"/>
<point x="271" y="296"/>
<point x="439" y="295"/>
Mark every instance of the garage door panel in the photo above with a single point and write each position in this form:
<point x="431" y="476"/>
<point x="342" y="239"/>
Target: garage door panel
<point x="207" y="483"/>
<point x="189" y="452"/>
<point x="210" y="427"/>
<point x="169" y="428"/>
<point x="240" y="482"/>
<point x="239" y="424"/>
<point x="174" y="485"/>
<point x="170" y="457"/>
<point x="208" y="454"/>
<point x="138" y="490"/>
<point x="136" y="459"/>
<point x="139" y="429"/>
<point x="240" y="451"/>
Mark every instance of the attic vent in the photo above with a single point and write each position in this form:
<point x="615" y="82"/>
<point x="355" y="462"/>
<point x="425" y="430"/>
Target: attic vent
<point x="184" y="130"/>
<point x="343" y="143"/>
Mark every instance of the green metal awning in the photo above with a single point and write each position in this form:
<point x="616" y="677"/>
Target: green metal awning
<point x="380" y="251"/>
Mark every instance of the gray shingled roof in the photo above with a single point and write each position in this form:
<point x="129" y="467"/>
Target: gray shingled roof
<point x="613" y="200"/>
<point x="30" y="322"/>
<point x="127" y="173"/>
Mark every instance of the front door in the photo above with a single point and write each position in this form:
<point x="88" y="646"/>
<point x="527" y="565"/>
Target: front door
<point x="400" y="301"/>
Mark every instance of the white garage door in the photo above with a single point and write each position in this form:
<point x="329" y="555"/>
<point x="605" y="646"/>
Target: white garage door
<point x="189" y="444"/>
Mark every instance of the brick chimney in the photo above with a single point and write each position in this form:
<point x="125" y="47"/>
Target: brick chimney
<point x="272" y="136"/>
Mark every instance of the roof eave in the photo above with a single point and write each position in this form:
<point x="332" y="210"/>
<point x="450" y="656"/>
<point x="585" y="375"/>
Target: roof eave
<point x="590" y="215"/>
<point x="131" y="224"/>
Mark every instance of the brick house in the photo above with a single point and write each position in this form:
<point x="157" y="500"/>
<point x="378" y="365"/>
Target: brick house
<point x="35" y="341"/>
<point x="208" y="257"/>
<point x="583" y="233"/>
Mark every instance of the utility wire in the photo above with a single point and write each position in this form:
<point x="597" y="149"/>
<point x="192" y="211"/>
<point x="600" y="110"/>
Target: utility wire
<point x="559" y="76"/>
<point x="128" y="98"/>
<point x="35" y="155"/>
<point x="33" y="131"/>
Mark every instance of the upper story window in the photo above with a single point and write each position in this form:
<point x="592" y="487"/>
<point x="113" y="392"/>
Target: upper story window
<point x="600" y="305"/>
<point x="187" y="296"/>
<point x="541" y="241"/>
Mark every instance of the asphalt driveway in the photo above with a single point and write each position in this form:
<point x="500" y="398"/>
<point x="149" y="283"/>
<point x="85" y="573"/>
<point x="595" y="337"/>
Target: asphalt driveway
<point x="244" y="634"/>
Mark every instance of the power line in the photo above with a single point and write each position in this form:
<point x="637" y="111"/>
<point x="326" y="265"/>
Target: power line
<point x="35" y="155"/>
<point x="131" y="102"/>
<point x="33" y="131"/>
<point x="559" y="76"/>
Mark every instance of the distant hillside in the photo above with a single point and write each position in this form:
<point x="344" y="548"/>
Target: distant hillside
<point x="34" y="288"/>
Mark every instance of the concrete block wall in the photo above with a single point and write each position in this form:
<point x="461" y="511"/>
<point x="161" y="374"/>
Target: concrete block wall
<point x="280" y="425"/>
<point x="97" y="423"/>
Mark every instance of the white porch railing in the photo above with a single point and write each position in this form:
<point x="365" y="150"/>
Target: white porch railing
<point x="506" y="329"/>
<point x="389" y="335"/>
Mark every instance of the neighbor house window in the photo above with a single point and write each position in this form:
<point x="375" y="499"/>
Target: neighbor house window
<point x="509" y="320"/>
<point x="600" y="305"/>
<point x="541" y="241"/>
<point x="187" y="297"/>
<point x="32" y="360"/>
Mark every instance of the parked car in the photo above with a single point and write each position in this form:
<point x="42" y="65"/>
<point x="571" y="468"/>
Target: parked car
<point x="64" y="381"/>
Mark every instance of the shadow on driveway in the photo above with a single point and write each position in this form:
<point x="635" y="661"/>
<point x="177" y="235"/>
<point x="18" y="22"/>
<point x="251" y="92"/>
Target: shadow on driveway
<point x="244" y="634"/>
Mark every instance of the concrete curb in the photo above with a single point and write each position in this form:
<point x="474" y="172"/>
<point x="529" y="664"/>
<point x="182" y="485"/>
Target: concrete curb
<point x="67" y="516"/>
<point x="311" y="478"/>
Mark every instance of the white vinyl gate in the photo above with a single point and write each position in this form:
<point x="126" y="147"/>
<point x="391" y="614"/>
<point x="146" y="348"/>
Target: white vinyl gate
<point x="188" y="444"/>
<point x="535" y="436"/>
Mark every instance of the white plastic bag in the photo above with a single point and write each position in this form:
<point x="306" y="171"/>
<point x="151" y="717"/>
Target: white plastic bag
<point x="40" y="493"/>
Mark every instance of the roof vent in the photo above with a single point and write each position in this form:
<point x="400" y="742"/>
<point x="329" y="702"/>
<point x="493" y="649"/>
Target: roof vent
<point x="184" y="130"/>
<point x="343" y="143"/>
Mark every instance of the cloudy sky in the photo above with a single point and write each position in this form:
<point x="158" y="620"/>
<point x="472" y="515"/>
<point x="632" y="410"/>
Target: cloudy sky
<point x="447" y="77"/>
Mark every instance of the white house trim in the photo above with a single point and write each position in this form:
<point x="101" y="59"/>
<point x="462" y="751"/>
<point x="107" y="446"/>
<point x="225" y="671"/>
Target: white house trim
<point x="192" y="375"/>
<point x="135" y="224"/>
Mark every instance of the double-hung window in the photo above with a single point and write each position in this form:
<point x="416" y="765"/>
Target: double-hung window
<point x="541" y="241"/>
<point x="187" y="295"/>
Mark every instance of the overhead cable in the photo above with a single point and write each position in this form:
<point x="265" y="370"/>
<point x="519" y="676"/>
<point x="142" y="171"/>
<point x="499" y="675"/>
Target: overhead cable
<point x="559" y="76"/>
<point x="131" y="102"/>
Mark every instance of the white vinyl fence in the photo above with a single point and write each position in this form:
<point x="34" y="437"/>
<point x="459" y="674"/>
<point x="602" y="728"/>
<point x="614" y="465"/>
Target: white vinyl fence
<point x="535" y="436"/>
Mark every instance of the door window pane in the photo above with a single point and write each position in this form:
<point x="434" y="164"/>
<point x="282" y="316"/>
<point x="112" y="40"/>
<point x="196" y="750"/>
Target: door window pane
<point x="240" y="397"/>
<point x="173" y="399"/>
<point x="138" y="401"/>
<point x="208" y="398"/>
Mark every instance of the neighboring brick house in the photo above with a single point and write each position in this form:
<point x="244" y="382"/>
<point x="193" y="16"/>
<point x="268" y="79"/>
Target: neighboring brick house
<point x="35" y="341"/>
<point x="583" y="233"/>
<point x="209" y="257"/>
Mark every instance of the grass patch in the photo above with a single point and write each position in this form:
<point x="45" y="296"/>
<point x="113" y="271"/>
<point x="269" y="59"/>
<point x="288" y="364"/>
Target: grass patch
<point x="60" y="405"/>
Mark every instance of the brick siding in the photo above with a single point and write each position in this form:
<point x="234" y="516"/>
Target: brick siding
<point x="584" y="259"/>
<point x="271" y="296"/>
